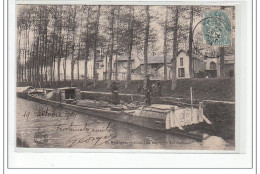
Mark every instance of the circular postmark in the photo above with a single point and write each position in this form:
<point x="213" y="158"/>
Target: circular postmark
<point x="40" y="138"/>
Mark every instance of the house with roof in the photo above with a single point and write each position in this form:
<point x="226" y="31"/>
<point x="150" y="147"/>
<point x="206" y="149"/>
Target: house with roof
<point x="183" y="63"/>
<point x="153" y="64"/>
<point x="229" y="68"/>
<point x="155" y="67"/>
<point x="182" y="67"/>
<point x="212" y="66"/>
<point x="120" y="62"/>
<point x="159" y="72"/>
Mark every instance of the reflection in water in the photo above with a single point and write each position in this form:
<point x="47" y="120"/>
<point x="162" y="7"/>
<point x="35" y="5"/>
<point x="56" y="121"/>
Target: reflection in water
<point x="57" y="128"/>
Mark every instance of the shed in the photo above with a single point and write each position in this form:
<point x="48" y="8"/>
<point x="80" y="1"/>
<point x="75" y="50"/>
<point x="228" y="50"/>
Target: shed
<point x="65" y="94"/>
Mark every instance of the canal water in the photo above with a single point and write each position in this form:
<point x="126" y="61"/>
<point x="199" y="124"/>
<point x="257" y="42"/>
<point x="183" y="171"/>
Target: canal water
<point x="43" y="126"/>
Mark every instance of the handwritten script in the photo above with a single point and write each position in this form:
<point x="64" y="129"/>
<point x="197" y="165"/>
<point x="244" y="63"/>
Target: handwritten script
<point x="89" y="135"/>
<point x="46" y="112"/>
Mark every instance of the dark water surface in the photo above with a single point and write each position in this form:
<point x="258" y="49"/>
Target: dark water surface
<point x="41" y="125"/>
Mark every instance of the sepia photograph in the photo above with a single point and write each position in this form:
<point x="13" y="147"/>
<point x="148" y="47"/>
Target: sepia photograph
<point x="150" y="77"/>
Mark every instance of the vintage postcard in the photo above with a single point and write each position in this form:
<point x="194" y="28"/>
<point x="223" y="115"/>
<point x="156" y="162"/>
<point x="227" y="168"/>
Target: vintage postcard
<point x="157" y="77"/>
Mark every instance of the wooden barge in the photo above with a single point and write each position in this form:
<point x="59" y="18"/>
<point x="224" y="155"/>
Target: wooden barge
<point x="22" y="92"/>
<point x="166" y="118"/>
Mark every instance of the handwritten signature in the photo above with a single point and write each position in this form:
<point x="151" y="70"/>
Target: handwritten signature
<point x="91" y="135"/>
<point x="87" y="137"/>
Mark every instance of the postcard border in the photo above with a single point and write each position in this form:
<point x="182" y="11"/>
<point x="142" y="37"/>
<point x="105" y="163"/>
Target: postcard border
<point x="6" y="53"/>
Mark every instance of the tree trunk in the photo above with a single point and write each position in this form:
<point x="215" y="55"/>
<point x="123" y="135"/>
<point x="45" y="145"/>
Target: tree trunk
<point x="87" y="51"/>
<point x="191" y="66"/>
<point x="78" y="61"/>
<point x="46" y="47"/>
<point x="59" y="59"/>
<point x="106" y="75"/>
<point x="28" y="52"/>
<point x="95" y="47"/>
<point x="72" y="72"/>
<point x="53" y="53"/>
<point x="222" y="56"/>
<point x="165" y="45"/>
<point x="147" y="26"/>
<point x="61" y="41"/>
<point x="73" y="46"/>
<point x="111" y="47"/>
<point x="25" y="56"/>
<point x="130" y="46"/>
<point x="175" y="48"/>
<point x="19" y="58"/>
<point x="222" y="61"/>
<point x="117" y="46"/>
<point x="64" y="68"/>
<point x="65" y="59"/>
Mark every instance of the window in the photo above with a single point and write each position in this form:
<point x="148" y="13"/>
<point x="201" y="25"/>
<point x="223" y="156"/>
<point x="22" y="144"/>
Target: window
<point x="181" y="61"/>
<point x="231" y="73"/>
<point x="154" y="66"/>
<point x="181" y="72"/>
<point x="212" y="65"/>
<point x="70" y="94"/>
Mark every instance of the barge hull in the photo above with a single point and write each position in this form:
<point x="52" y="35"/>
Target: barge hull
<point x="146" y="122"/>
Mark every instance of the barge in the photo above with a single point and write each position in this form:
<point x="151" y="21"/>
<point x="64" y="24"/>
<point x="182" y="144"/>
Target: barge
<point x="166" y="118"/>
<point x="22" y="92"/>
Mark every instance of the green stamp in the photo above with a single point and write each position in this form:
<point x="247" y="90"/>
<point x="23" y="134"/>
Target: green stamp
<point x="217" y="28"/>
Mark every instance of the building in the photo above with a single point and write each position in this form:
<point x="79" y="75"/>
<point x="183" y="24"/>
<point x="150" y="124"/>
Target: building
<point x="229" y="68"/>
<point x="155" y="67"/>
<point x="183" y="63"/>
<point x="202" y="67"/>
<point x="154" y="63"/>
<point x="159" y="72"/>
<point x="212" y="66"/>
<point x="122" y="62"/>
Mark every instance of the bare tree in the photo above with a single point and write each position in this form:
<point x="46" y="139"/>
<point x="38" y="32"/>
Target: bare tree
<point x="190" y="43"/>
<point x="130" y="45"/>
<point x="95" y="46"/>
<point x="165" y="44"/>
<point x="175" y="47"/>
<point x="73" y="60"/>
<point x="117" y="42"/>
<point x="147" y="26"/>
<point x="112" y="20"/>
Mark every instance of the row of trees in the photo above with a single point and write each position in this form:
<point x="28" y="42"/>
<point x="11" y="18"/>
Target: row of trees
<point x="48" y="33"/>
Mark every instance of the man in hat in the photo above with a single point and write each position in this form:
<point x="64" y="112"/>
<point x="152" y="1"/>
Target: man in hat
<point x="147" y="90"/>
<point x="159" y="88"/>
<point x="115" y="96"/>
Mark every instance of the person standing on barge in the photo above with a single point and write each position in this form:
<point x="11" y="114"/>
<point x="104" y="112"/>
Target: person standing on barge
<point x="115" y="96"/>
<point x="147" y="90"/>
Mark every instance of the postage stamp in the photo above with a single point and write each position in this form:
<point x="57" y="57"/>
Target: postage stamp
<point x="217" y="27"/>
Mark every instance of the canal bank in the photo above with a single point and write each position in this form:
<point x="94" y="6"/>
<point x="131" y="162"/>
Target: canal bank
<point x="221" y="89"/>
